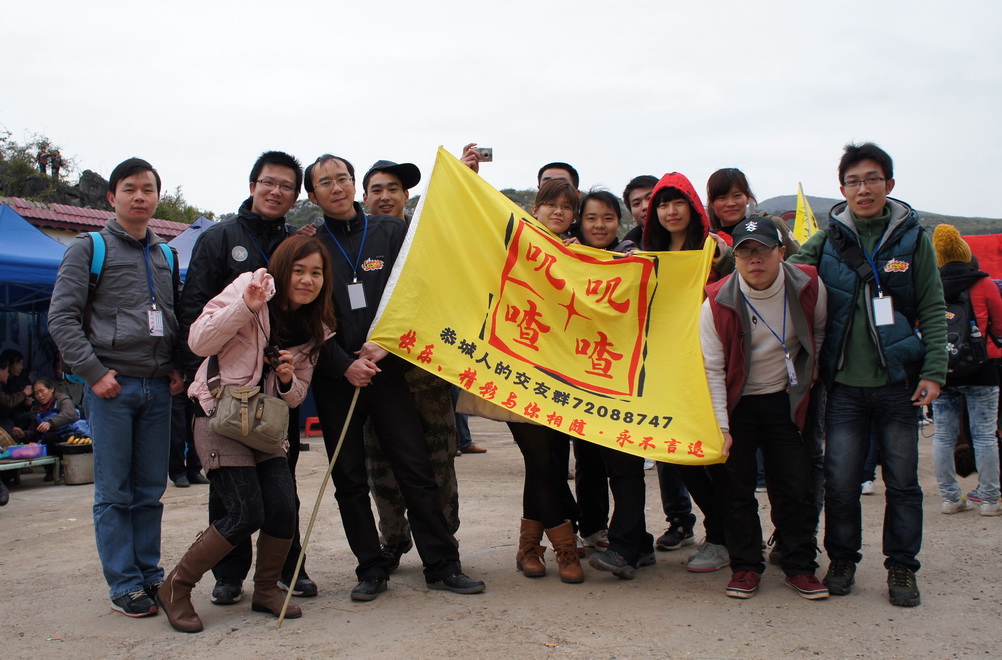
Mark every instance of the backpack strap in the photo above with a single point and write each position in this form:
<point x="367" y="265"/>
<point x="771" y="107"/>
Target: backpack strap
<point x="851" y="251"/>
<point x="97" y="257"/>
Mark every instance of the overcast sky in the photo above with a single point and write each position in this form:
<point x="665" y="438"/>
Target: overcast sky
<point x="615" y="88"/>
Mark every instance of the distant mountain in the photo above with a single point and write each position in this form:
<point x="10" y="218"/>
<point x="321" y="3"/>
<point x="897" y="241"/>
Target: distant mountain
<point x="822" y="205"/>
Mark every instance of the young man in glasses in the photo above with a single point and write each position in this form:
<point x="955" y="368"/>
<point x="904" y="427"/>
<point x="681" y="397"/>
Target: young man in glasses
<point x="225" y="250"/>
<point x="363" y="250"/>
<point x="883" y="358"/>
<point x="760" y="330"/>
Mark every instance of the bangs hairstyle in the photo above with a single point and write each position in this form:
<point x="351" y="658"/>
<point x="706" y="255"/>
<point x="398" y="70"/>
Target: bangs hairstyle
<point x="315" y="318"/>
<point x="857" y="153"/>
<point x="127" y="168"/>
<point x="557" y="190"/>
<point x="720" y="184"/>
<point x="660" y="238"/>
<point x="606" y="198"/>
<point x="279" y="158"/>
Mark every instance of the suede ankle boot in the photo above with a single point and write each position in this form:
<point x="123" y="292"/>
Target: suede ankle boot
<point x="563" y="539"/>
<point x="529" y="559"/>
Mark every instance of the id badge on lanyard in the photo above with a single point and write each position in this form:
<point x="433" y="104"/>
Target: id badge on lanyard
<point x="356" y="296"/>
<point x="883" y="310"/>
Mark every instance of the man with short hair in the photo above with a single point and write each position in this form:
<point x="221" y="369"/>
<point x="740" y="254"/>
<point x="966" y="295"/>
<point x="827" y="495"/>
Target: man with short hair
<point x="120" y="335"/>
<point x="386" y="189"/>
<point x="760" y="329"/>
<point x="225" y="250"/>
<point x="883" y="286"/>
<point x="636" y="196"/>
<point x="363" y="250"/>
<point x="558" y="170"/>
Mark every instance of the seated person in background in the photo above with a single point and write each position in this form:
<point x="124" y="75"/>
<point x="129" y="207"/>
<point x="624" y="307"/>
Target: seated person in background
<point x="53" y="418"/>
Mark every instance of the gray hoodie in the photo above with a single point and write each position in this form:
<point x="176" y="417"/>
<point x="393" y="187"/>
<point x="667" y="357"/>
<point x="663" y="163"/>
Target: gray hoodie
<point x="111" y="331"/>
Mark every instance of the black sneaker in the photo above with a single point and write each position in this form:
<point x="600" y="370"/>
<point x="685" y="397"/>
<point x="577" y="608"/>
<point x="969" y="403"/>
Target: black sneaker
<point x="152" y="589"/>
<point x="675" y="537"/>
<point x="902" y="589"/>
<point x="393" y="553"/>
<point x="615" y="563"/>
<point x="840" y="577"/>
<point x="226" y="593"/>
<point x="458" y="583"/>
<point x="368" y="588"/>
<point x="304" y="587"/>
<point x="134" y="604"/>
<point x="182" y="481"/>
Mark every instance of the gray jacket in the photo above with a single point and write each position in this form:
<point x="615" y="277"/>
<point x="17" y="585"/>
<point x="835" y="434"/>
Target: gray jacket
<point x="111" y="330"/>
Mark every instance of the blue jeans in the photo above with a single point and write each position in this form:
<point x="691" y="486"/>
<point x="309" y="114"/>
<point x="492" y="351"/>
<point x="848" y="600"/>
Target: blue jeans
<point x="131" y="447"/>
<point x="851" y="414"/>
<point x="982" y="409"/>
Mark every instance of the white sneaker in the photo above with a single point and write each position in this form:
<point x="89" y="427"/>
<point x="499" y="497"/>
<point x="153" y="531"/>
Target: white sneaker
<point x="956" y="506"/>
<point x="648" y="464"/>
<point x="991" y="509"/>
<point x="866" y="488"/>
<point x="599" y="540"/>
<point x="708" y="557"/>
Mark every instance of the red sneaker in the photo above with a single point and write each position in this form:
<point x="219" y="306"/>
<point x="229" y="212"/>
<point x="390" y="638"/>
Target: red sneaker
<point x="807" y="586"/>
<point x="743" y="584"/>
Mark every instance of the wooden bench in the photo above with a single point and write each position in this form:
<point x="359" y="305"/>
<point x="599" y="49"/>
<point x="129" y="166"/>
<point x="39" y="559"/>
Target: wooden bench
<point x="18" y="463"/>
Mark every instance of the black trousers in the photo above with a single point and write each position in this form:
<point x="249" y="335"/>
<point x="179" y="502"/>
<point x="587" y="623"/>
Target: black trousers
<point x="675" y="501"/>
<point x="628" y="528"/>
<point x="545" y="492"/>
<point x="705" y="485"/>
<point x="233" y="568"/>
<point x="184" y="459"/>
<point x="591" y="485"/>
<point x="763" y="422"/>
<point x="388" y="402"/>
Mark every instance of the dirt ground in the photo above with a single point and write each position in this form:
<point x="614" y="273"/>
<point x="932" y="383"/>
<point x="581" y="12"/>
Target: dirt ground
<point x="54" y="603"/>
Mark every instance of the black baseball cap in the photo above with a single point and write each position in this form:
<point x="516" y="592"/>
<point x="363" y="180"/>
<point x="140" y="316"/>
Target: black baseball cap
<point x="762" y="230"/>
<point x="408" y="173"/>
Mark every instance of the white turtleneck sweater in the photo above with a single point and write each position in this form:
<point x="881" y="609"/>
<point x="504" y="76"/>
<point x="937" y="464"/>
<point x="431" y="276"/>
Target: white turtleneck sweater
<point x="767" y="373"/>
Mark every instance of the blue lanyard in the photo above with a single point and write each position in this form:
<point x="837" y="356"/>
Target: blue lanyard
<point x="781" y="340"/>
<point x="257" y="245"/>
<point x="149" y="273"/>
<point x="873" y="265"/>
<point x="358" y="257"/>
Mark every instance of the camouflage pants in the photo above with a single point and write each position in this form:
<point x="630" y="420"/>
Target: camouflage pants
<point x="432" y="398"/>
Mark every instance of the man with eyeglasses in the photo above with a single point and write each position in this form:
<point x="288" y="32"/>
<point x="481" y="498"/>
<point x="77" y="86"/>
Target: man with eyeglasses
<point x="363" y="250"/>
<point x="760" y="329"/>
<point x="884" y="357"/>
<point x="225" y="250"/>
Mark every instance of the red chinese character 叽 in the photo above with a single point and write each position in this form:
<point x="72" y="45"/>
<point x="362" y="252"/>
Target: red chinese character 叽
<point x="599" y="354"/>
<point x="593" y="287"/>
<point x="407" y="340"/>
<point x="425" y="355"/>
<point x="529" y="326"/>
<point x="696" y="449"/>
<point x="533" y="253"/>
<point x="468" y="378"/>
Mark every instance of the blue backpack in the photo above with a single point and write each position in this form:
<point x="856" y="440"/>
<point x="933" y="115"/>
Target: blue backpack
<point x="100" y="249"/>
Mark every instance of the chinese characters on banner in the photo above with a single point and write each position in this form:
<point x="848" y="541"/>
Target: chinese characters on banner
<point x="602" y="346"/>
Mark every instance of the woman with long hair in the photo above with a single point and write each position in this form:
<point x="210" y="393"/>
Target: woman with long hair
<point x="265" y="327"/>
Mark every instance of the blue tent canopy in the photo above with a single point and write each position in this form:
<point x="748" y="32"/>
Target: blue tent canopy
<point x="29" y="261"/>
<point x="184" y="242"/>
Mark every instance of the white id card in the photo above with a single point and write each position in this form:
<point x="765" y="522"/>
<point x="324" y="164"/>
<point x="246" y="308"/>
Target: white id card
<point x="156" y="318"/>
<point x="791" y="373"/>
<point x="356" y="295"/>
<point x="883" y="311"/>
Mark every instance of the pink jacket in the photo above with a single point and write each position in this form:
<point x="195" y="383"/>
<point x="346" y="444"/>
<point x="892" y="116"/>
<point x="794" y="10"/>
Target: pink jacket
<point x="227" y="328"/>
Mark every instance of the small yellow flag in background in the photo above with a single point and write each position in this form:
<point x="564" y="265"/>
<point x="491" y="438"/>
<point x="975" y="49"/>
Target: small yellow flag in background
<point x="805" y="225"/>
<point x="600" y="345"/>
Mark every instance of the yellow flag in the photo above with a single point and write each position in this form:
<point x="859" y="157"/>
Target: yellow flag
<point x="599" y="345"/>
<point x="805" y="225"/>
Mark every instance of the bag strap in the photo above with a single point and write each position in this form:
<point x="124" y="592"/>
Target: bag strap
<point x="212" y="379"/>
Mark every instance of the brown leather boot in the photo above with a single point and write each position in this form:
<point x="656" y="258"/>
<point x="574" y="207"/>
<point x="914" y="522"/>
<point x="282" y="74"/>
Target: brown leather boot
<point x="562" y="538"/>
<point x="529" y="559"/>
<point x="268" y="597"/>
<point x="174" y="595"/>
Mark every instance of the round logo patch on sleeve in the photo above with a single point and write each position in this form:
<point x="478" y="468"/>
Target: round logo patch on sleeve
<point x="239" y="253"/>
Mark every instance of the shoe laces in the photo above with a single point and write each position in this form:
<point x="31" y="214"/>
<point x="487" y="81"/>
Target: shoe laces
<point x="900" y="576"/>
<point x="137" y="594"/>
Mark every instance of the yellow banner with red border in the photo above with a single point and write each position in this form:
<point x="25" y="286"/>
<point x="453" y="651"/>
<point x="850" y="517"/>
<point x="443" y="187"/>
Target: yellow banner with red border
<point x="600" y="345"/>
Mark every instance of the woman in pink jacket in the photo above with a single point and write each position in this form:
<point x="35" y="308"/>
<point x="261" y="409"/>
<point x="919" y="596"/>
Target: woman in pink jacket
<point x="288" y="307"/>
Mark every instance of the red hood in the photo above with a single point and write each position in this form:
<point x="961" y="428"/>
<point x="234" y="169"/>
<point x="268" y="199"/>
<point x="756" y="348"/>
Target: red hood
<point x="682" y="184"/>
